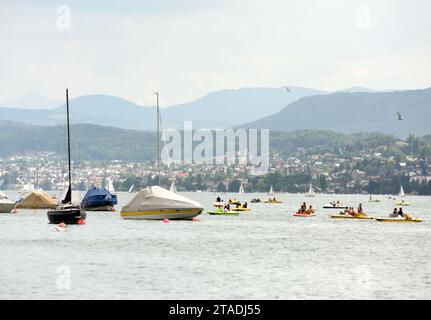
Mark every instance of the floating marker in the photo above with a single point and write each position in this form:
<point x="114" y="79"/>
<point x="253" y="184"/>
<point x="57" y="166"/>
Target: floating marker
<point x="81" y="221"/>
<point x="196" y="219"/>
<point x="166" y="221"/>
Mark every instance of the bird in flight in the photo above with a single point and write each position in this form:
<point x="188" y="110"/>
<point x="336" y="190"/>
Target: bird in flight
<point x="400" y="116"/>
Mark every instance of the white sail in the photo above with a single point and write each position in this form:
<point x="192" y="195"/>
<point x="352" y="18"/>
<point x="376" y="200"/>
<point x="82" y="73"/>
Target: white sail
<point x="271" y="191"/>
<point x="310" y="191"/>
<point x="402" y="192"/>
<point x="110" y="185"/>
<point x="131" y="188"/>
<point x="241" y="189"/>
<point x="173" y="188"/>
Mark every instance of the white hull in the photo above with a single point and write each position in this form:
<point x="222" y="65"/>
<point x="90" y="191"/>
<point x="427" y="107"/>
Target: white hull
<point x="162" y="216"/>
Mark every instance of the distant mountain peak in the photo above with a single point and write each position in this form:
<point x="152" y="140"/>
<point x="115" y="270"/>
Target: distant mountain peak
<point x="31" y="100"/>
<point x="356" y="89"/>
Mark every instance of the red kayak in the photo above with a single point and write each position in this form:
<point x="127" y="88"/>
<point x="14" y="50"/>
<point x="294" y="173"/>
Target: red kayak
<point x="304" y="215"/>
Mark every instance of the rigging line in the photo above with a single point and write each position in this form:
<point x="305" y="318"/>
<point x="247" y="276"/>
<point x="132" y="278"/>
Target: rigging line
<point x="166" y="150"/>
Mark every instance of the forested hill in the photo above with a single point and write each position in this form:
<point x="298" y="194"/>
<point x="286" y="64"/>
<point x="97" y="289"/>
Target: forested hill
<point x="348" y="112"/>
<point x="92" y="142"/>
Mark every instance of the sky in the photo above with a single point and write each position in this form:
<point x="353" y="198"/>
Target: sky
<point x="185" y="49"/>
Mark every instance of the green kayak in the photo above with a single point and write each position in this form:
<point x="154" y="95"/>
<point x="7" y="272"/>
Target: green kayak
<point x="223" y="213"/>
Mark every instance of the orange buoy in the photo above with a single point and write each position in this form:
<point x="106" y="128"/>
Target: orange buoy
<point x="62" y="225"/>
<point x="166" y="221"/>
<point x="196" y="219"/>
<point x="81" y="221"/>
<point x="113" y="209"/>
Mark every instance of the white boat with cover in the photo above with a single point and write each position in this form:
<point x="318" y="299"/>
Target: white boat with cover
<point x="156" y="203"/>
<point x="6" y="205"/>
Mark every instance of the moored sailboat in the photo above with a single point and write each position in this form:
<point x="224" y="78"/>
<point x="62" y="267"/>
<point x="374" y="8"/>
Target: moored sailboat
<point x="67" y="212"/>
<point x="157" y="203"/>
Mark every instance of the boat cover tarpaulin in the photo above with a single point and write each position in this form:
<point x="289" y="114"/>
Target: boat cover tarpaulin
<point x="157" y="198"/>
<point x="100" y="193"/>
<point x="38" y="200"/>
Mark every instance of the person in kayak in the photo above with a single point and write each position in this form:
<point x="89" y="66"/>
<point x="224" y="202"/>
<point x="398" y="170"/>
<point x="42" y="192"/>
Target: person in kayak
<point x="394" y="214"/>
<point x="310" y="210"/>
<point x="360" y="209"/>
<point x="303" y="208"/>
<point x="218" y="199"/>
<point x="400" y="212"/>
<point x="245" y="205"/>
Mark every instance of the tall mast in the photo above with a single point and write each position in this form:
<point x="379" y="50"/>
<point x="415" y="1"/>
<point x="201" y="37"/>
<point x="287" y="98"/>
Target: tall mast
<point x="158" y="136"/>
<point x="68" y="143"/>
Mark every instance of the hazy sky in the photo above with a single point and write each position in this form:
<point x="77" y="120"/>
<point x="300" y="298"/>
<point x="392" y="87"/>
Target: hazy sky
<point x="187" y="48"/>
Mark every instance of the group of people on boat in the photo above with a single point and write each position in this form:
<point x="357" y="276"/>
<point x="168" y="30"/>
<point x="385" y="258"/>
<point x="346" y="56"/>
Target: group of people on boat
<point x="351" y="212"/>
<point x="336" y="204"/>
<point x="400" y="213"/>
<point x="226" y="206"/>
<point x="303" y="209"/>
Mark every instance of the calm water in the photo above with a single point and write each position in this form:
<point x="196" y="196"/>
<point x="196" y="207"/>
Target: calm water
<point x="265" y="254"/>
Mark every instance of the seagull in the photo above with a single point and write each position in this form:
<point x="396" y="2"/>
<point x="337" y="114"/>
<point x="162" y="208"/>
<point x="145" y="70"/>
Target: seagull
<point x="400" y="117"/>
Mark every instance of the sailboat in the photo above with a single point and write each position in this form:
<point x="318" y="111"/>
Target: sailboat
<point x="402" y="195"/>
<point x="402" y="192"/>
<point x="157" y="203"/>
<point x="173" y="188"/>
<point x="131" y="188"/>
<point x="110" y="187"/>
<point x="241" y="189"/>
<point x="67" y="212"/>
<point x="310" y="192"/>
<point x="271" y="191"/>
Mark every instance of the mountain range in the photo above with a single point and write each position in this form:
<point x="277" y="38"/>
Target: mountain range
<point x="219" y="109"/>
<point x="349" y="110"/>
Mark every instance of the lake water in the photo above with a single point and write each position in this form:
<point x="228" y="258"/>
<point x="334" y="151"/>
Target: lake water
<point x="264" y="254"/>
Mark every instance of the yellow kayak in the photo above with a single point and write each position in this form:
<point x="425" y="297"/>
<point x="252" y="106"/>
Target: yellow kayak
<point x="400" y="203"/>
<point x="241" y="209"/>
<point x="340" y="216"/>
<point x="398" y="220"/>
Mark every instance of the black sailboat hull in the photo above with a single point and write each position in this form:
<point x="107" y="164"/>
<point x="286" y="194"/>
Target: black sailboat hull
<point x="67" y="216"/>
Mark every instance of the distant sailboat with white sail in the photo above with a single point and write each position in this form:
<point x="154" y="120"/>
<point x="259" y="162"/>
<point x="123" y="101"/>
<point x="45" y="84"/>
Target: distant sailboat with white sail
<point x="241" y="189"/>
<point x="310" y="192"/>
<point x="271" y="191"/>
<point x="173" y="187"/>
<point x="402" y="194"/>
<point x="131" y="189"/>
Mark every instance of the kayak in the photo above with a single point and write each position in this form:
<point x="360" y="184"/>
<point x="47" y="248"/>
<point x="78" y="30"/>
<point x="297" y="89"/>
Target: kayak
<point x="223" y="213"/>
<point x="255" y="201"/>
<point x="273" y="202"/>
<point x="400" y="203"/>
<point x="341" y="216"/>
<point x="304" y="215"/>
<point x="374" y="201"/>
<point x="336" y="207"/>
<point x="398" y="220"/>
<point x="241" y="209"/>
